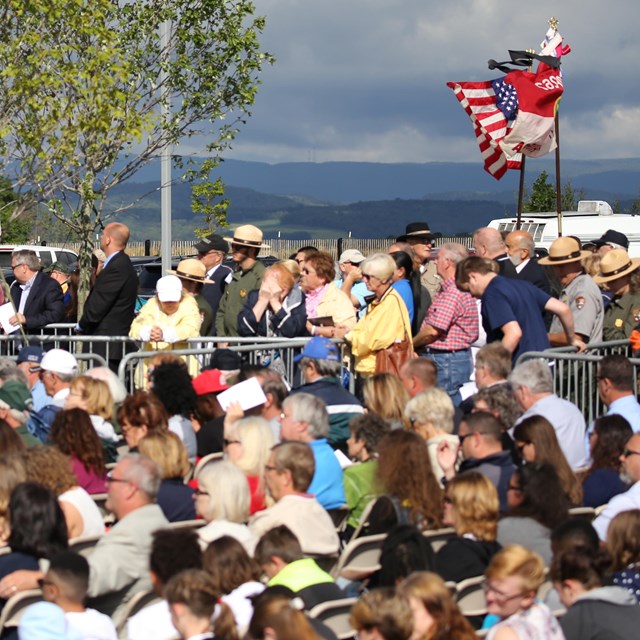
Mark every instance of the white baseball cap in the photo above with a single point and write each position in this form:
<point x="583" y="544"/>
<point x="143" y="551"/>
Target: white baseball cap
<point x="169" y="289"/>
<point x="59" y="361"/>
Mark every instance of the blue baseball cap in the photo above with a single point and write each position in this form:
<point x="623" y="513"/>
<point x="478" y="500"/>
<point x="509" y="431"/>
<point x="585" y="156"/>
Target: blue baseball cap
<point x="319" y="348"/>
<point x="30" y="354"/>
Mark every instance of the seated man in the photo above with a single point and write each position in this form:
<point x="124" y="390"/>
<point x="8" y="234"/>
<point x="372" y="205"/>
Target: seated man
<point x="320" y="366"/>
<point x="65" y="584"/>
<point x="304" y="418"/>
<point x="288" y="475"/>
<point x="481" y="446"/>
<point x="281" y="558"/>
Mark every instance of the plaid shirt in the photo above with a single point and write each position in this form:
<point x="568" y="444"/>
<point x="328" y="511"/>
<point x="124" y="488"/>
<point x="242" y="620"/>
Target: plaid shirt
<point x="455" y="314"/>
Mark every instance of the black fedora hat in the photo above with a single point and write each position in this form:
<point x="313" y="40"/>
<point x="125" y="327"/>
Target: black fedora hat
<point x="417" y="230"/>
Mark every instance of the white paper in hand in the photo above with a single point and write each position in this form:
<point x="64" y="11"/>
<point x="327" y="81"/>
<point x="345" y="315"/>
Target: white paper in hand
<point x="248" y="393"/>
<point x="6" y="312"/>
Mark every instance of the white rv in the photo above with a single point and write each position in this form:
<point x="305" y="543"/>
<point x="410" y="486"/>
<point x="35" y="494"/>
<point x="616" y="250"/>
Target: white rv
<point x="588" y="223"/>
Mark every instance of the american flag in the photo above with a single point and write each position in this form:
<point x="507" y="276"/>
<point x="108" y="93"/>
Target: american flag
<point x="492" y="106"/>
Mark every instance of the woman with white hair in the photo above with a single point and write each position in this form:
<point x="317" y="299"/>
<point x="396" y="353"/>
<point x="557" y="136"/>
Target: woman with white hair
<point x="430" y="415"/>
<point x="222" y="499"/>
<point x="247" y="444"/>
<point x="386" y="321"/>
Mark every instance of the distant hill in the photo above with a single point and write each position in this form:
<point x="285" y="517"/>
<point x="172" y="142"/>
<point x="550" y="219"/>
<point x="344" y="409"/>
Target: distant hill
<point x="306" y="200"/>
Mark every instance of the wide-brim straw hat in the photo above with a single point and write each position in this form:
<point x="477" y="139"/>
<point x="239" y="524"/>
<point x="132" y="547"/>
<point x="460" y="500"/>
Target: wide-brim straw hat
<point x="191" y="269"/>
<point x="615" y="264"/>
<point x="248" y="236"/>
<point x="563" y="251"/>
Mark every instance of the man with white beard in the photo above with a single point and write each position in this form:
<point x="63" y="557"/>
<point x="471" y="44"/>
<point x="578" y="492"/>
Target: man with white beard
<point x="521" y="250"/>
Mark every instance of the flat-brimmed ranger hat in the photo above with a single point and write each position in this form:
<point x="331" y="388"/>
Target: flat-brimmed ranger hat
<point x="191" y="269"/>
<point x="564" y="250"/>
<point x="417" y="230"/>
<point x="615" y="264"/>
<point x="248" y="236"/>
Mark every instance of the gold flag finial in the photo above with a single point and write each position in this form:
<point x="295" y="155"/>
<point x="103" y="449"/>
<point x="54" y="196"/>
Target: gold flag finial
<point x="553" y="23"/>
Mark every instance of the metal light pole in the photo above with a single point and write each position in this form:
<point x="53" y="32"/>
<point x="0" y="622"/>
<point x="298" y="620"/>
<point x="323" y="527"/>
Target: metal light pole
<point x="165" y="162"/>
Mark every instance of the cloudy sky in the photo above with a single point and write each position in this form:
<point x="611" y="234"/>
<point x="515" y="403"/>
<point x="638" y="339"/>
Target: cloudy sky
<point x="365" y="80"/>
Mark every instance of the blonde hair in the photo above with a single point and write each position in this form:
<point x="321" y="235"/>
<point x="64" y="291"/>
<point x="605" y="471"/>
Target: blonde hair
<point x="591" y="264"/>
<point x="256" y="437"/>
<point x="432" y="406"/>
<point x="95" y="394"/>
<point x="293" y="268"/>
<point x="384" y="394"/>
<point x="477" y="506"/>
<point x="386" y="610"/>
<point x="167" y="450"/>
<point x="283" y="275"/>
<point x="516" y="560"/>
<point x="228" y="489"/>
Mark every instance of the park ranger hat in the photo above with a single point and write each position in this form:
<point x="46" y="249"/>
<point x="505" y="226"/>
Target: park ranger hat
<point x="191" y="269"/>
<point x="248" y="236"/>
<point x="564" y="250"/>
<point x="615" y="264"/>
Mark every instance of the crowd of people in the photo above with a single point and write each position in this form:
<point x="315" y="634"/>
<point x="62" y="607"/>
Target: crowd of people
<point x="462" y="440"/>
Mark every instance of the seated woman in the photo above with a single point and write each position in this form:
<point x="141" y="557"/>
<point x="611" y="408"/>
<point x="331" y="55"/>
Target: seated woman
<point x="402" y="279"/>
<point x="623" y="542"/>
<point x="323" y="299"/>
<point x="166" y="321"/>
<point x="435" y="614"/>
<point x="537" y="505"/>
<point x="38" y="531"/>
<point x="247" y="445"/>
<point x="140" y="414"/>
<point x="512" y="582"/>
<point x="593" y="610"/>
<point x="410" y="497"/>
<point x="536" y="440"/>
<point x="175" y="498"/>
<point x="386" y="321"/>
<point x="52" y="469"/>
<point x="95" y="398"/>
<point x="607" y="442"/>
<point x="193" y="599"/>
<point x="12" y="473"/>
<point x="384" y="394"/>
<point x="236" y="576"/>
<point x="471" y="507"/>
<point x="73" y="433"/>
<point x="276" y="309"/>
<point x="366" y="430"/>
<point x="222" y="499"/>
<point x="382" y="614"/>
<point x="430" y="415"/>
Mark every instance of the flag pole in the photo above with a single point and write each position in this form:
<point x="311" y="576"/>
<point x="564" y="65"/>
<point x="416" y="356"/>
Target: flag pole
<point x="558" y="183"/>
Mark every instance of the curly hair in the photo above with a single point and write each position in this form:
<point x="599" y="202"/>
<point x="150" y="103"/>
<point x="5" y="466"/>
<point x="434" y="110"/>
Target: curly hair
<point x="501" y="402"/>
<point x="73" y="433"/>
<point x="416" y="485"/>
<point x="430" y="590"/>
<point x="538" y="431"/>
<point x="370" y="428"/>
<point x="612" y="433"/>
<point x="324" y="265"/>
<point x="50" y="467"/>
<point x="171" y="384"/>
<point x="384" y="610"/>
<point x="543" y="498"/>
<point x="143" y="409"/>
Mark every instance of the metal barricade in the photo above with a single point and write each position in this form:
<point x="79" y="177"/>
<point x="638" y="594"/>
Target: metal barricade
<point x="575" y="374"/>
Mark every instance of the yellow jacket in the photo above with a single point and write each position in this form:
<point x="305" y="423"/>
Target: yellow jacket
<point x="386" y="321"/>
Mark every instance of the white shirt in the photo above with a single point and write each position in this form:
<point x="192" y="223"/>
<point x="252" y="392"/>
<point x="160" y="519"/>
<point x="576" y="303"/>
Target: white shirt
<point x="152" y="623"/>
<point x="92" y="624"/>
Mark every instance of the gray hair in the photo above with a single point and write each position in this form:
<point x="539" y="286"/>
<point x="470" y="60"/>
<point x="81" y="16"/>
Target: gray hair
<point x="380" y="265"/>
<point x="10" y="371"/>
<point x="28" y="257"/>
<point x="20" y="417"/>
<point x="535" y="375"/>
<point x="309" y="409"/>
<point x="323" y="367"/>
<point x="142" y="472"/>
<point x="229" y="497"/>
<point x="454" y="251"/>
<point x="432" y="405"/>
<point x="525" y="241"/>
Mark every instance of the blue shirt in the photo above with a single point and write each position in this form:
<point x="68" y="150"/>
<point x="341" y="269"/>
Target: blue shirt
<point x="629" y="409"/>
<point x="327" y="484"/>
<point x="403" y="287"/>
<point x="507" y="300"/>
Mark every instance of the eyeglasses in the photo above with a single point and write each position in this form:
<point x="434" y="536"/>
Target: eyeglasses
<point x="227" y="442"/>
<point x="367" y="276"/>
<point x="630" y="452"/>
<point x="462" y="438"/>
<point x="299" y="260"/>
<point x="111" y="478"/>
<point x="15" y="266"/>
<point x="500" y="597"/>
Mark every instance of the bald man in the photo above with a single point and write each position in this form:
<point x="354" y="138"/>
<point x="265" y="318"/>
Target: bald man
<point x="488" y="243"/>
<point x="521" y="250"/>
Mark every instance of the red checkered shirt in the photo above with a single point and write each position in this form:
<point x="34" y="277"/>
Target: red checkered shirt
<point x="455" y="314"/>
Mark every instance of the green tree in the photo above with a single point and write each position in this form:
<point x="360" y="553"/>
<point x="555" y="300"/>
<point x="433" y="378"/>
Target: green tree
<point x="543" y="196"/>
<point x="15" y="230"/>
<point x="83" y="86"/>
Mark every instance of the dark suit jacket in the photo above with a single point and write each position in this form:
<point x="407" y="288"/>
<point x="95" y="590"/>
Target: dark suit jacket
<point x="506" y="266"/>
<point x="110" y="307"/>
<point x="44" y="304"/>
<point x="535" y="274"/>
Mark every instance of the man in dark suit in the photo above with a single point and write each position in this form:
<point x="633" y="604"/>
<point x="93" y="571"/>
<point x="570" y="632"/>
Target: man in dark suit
<point x="488" y="243"/>
<point x="36" y="296"/>
<point x="109" y="309"/>
<point x="521" y="249"/>
<point x="212" y="250"/>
